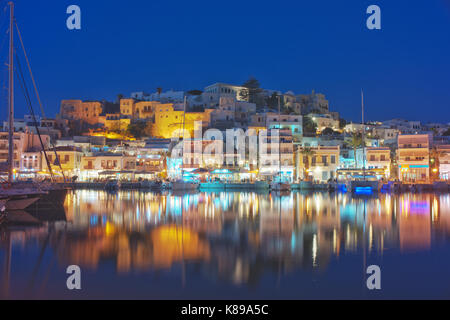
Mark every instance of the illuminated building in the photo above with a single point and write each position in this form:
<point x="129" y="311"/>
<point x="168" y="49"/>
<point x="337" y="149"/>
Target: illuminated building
<point x="320" y="164"/>
<point x="444" y="161"/>
<point x="107" y="165"/>
<point x="272" y="120"/>
<point x="168" y="122"/>
<point x="414" y="158"/>
<point x="377" y="159"/>
<point x="272" y="149"/>
<point x="69" y="158"/>
<point x="88" y="111"/>
<point x="324" y="121"/>
<point x="215" y="92"/>
<point x="25" y="144"/>
<point x="114" y="122"/>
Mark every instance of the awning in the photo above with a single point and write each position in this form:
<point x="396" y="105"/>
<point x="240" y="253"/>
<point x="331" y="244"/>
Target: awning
<point x="200" y="171"/>
<point x="104" y="173"/>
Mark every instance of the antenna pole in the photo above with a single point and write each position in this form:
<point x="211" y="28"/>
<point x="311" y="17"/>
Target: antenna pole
<point x="363" y="135"/>
<point x="279" y="139"/>
<point x="11" y="95"/>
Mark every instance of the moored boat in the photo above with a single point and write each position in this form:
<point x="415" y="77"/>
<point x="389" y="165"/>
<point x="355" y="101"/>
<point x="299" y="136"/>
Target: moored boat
<point x="185" y="186"/>
<point x="280" y="186"/>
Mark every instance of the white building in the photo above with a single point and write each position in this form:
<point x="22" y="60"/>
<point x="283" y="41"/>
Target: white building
<point x="404" y="126"/>
<point x="444" y="161"/>
<point x="272" y="149"/>
<point x="324" y="121"/>
<point x="212" y="94"/>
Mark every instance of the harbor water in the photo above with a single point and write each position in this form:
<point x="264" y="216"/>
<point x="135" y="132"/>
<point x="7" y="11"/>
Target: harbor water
<point x="232" y="245"/>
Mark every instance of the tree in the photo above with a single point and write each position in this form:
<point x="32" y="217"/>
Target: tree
<point x="435" y="156"/>
<point x="119" y="97"/>
<point x="138" y="129"/>
<point x="198" y="109"/>
<point x="159" y="91"/>
<point x="329" y="132"/>
<point x="272" y="101"/>
<point x="252" y="92"/>
<point x="309" y="126"/>
<point x="195" y="92"/>
<point x="306" y="153"/>
<point x="342" y="123"/>
<point x="355" y="143"/>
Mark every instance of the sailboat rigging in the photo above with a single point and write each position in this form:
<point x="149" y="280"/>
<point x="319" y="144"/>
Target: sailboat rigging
<point x="19" y="195"/>
<point x="181" y="185"/>
<point x="279" y="185"/>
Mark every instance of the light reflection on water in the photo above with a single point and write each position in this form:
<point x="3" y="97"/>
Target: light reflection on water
<point x="230" y="240"/>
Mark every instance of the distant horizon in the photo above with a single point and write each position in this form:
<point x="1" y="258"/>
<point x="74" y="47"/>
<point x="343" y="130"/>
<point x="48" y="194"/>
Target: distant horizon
<point x="128" y="95"/>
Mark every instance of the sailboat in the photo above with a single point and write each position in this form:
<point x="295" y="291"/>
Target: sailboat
<point x="279" y="185"/>
<point x="25" y="195"/>
<point x="363" y="186"/>
<point x="180" y="184"/>
<point x="16" y="200"/>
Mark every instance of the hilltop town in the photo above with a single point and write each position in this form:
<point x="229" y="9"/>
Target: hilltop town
<point x="133" y="139"/>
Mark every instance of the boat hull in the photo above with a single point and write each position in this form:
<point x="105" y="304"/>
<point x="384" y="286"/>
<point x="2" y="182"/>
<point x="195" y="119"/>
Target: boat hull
<point x="280" y="187"/>
<point x="14" y="204"/>
<point x="363" y="186"/>
<point x="184" y="186"/>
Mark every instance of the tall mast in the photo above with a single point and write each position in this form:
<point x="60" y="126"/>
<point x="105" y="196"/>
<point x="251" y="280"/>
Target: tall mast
<point x="279" y="139"/>
<point x="184" y="127"/>
<point x="11" y="94"/>
<point x="363" y="135"/>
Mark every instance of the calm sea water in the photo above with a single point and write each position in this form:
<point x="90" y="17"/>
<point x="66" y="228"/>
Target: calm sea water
<point x="136" y="245"/>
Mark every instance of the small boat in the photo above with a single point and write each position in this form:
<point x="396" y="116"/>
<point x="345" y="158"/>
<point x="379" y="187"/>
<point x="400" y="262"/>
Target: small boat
<point x="50" y="195"/>
<point x="214" y="186"/>
<point x="440" y="186"/>
<point x="185" y="186"/>
<point x="363" y="186"/>
<point x="262" y="185"/>
<point x="153" y="185"/>
<point x="280" y="186"/>
<point x="112" y="186"/>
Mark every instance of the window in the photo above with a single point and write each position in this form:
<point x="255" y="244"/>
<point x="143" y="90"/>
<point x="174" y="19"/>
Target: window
<point x="333" y="159"/>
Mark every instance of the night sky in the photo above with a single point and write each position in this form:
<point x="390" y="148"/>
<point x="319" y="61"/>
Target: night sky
<point x="127" y="46"/>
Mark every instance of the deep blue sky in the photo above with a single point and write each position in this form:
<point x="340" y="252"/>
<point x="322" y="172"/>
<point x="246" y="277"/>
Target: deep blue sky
<point x="127" y="46"/>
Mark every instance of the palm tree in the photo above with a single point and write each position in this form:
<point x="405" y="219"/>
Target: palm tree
<point x="355" y="143"/>
<point x="309" y="126"/>
<point x="159" y="91"/>
<point x="306" y="153"/>
<point x="164" y="155"/>
<point x="435" y="154"/>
